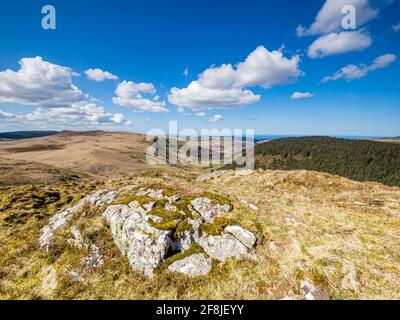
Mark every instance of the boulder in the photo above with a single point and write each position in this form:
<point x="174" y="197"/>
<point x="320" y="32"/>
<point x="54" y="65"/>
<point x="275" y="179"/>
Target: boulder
<point x="244" y="236"/>
<point x="222" y="247"/>
<point x="192" y="266"/>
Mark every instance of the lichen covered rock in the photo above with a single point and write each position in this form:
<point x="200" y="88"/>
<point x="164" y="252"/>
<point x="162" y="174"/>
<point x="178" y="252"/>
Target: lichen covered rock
<point x="244" y="236"/>
<point x="222" y="247"/>
<point x="61" y="219"/>
<point x="208" y="210"/>
<point x="192" y="266"/>
<point x="145" y="246"/>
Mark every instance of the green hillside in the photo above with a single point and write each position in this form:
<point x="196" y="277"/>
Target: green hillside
<point x="354" y="159"/>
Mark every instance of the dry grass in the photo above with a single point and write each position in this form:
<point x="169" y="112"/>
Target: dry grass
<point x="96" y="155"/>
<point x="322" y="226"/>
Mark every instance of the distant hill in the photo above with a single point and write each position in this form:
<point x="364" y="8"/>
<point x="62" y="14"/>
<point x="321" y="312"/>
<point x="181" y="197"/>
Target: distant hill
<point x="18" y="135"/>
<point x="68" y="156"/>
<point x="358" y="160"/>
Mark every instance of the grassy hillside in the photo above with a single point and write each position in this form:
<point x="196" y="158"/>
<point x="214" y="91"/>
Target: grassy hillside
<point x="354" y="159"/>
<point x="338" y="234"/>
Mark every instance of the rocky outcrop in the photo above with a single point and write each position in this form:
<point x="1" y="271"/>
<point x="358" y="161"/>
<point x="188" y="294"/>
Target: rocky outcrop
<point x="61" y="219"/>
<point x="149" y="233"/>
<point x="192" y="266"/>
<point x="145" y="246"/>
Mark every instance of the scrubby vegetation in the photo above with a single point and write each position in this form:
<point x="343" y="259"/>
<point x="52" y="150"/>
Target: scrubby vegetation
<point x="354" y="159"/>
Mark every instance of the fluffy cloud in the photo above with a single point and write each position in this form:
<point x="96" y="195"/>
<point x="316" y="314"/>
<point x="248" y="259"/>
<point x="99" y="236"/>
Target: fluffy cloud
<point x="224" y="86"/>
<point x="99" y="75"/>
<point x="329" y="18"/>
<point x="301" y="95"/>
<point x="200" y="114"/>
<point x="79" y="114"/>
<point x="216" y="118"/>
<point x="39" y="83"/>
<point x="336" y="43"/>
<point x="130" y="95"/>
<point x="396" y="27"/>
<point x="353" y="72"/>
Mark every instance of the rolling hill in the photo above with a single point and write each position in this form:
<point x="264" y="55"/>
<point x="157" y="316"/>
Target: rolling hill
<point x="358" y="160"/>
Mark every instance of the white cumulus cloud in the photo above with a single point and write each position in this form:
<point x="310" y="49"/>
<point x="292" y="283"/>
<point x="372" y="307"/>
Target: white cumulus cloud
<point x="79" y="114"/>
<point x="329" y="18"/>
<point x="353" y="72"/>
<point x="99" y="75"/>
<point x="227" y="86"/>
<point x="39" y="83"/>
<point x="130" y="95"/>
<point x="336" y="43"/>
<point x="301" y="95"/>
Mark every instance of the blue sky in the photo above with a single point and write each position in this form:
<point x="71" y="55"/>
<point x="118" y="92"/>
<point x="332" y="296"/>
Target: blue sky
<point x="147" y="45"/>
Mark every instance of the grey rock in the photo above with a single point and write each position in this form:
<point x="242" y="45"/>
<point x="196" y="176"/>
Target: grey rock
<point x="56" y="222"/>
<point x="61" y="218"/>
<point x="222" y="247"/>
<point x="77" y="240"/>
<point x="193" y="266"/>
<point x="173" y="199"/>
<point x="75" y="277"/>
<point x="170" y="207"/>
<point x="244" y="236"/>
<point x="102" y="197"/>
<point x="208" y="210"/>
<point x="156" y="194"/>
<point x="145" y="246"/>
